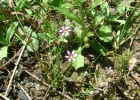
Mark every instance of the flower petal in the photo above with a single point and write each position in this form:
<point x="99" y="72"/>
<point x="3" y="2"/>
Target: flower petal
<point x="66" y="56"/>
<point x="66" y="27"/>
<point x="69" y="59"/>
<point x="63" y="28"/>
<point x="68" y="30"/>
<point x="60" y="30"/>
<point x="75" y="55"/>
<point x="72" y="52"/>
<point x="67" y="33"/>
<point x="63" y="34"/>
<point x="68" y="52"/>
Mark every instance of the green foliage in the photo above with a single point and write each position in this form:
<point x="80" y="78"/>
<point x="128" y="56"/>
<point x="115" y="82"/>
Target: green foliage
<point x="123" y="32"/>
<point x="105" y="33"/>
<point x="98" y="47"/>
<point x="11" y="30"/>
<point x="3" y="52"/>
<point x="70" y="15"/>
<point x="79" y="62"/>
<point x="33" y="44"/>
<point x="92" y="28"/>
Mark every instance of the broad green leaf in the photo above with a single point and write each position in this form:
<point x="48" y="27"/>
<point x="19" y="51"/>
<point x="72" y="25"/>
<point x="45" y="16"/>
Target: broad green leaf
<point x="105" y="8"/>
<point x="63" y="40"/>
<point x="43" y="36"/>
<point x="11" y="30"/>
<point x="78" y="31"/>
<point x="29" y="12"/>
<point x="34" y="43"/>
<point x="67" y="5"/>
<point x="56" y="3"/>
<point x="121" y="9"/>
<point x="20" y="4"/>
<point x="118" y="21"/>
<point x="78" y="62"/>
<point x="67" y="22"/>
<point x="98" y="47"/>
<point x="70" y="15"/>
<point x="3" y="41"/>
<point x="105" y="33"/>
<point x="98" y="18"/>
<point x="3" y="52"/>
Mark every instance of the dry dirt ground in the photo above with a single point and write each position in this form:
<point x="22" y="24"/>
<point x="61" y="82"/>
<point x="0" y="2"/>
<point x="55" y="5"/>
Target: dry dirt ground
<point x="30" y="82"/>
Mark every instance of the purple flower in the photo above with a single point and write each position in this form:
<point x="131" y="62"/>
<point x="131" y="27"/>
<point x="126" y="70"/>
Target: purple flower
<point x="71" y="55"/>
<point x="109" y="70"/>
<point x="65" y="31"/>
<point x="40" y="21"/>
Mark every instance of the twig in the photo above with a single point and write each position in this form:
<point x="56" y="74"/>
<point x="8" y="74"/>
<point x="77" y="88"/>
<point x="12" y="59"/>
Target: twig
<point x="135" y="77"/>
<point x="4" y="97"/>
<point x="24" y="91"/>
<point x="64" y="95"/>
<point x="46" y="94"/>
<point x="43" y="82"/>
<point x="10" y="82"/>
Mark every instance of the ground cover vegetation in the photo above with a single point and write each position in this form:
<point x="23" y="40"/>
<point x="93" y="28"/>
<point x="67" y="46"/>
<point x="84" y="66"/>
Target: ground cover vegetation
<point x="69" y="49"/>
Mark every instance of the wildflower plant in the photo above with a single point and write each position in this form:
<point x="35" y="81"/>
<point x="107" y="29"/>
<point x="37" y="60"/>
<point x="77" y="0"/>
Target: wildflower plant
<point x="64" y="31"/>
<point x="109" y="70"/>
<point x="92" y="28"/>
<point x="71" y="55"/>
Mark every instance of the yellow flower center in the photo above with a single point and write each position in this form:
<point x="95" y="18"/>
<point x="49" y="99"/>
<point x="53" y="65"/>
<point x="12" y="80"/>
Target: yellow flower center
<point x="71" y="56"/>
<point x="64" y="30"/>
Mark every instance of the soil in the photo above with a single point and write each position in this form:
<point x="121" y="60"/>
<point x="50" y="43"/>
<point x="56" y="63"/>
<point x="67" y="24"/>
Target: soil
<point x="32" y="81"/>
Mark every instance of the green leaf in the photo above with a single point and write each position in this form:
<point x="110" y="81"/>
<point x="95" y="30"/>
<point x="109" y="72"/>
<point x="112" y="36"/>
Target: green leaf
<point x="3" y="52"/>
<point x="98" y="47"/>
<point x="125" y="3"/>
<point x="11" y="30"/>
<point x="94" y="4"/>
<point x="70" y="15"/>
<point x="78" y="62"/>
<point x="43" y="36"/>
<point x="105" y="8"/>
<point x="98" y="18"/>
<point x="121" y="9"/>
<point x="29" y="11"/>
<point x="20" y="4"/>
<point x="34" y="44"/>
<point x="4" y="41"/>
<point x="67" y="5"/>
<point x="105" y="33"/>
<point x="56" y="3"/>
<point x="78" y="31"/>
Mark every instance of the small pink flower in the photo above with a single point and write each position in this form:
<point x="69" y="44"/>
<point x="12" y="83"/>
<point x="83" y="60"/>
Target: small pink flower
<point x="40" y="21"/>
<point x="65" y="31"/>
<point x="109" y="70"/>
<point x="71" y="55"/>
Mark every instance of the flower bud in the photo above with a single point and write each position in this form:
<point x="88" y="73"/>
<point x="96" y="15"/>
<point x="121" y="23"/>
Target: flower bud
<point x="86" y="39"/>
<point x="86" y="45"/>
